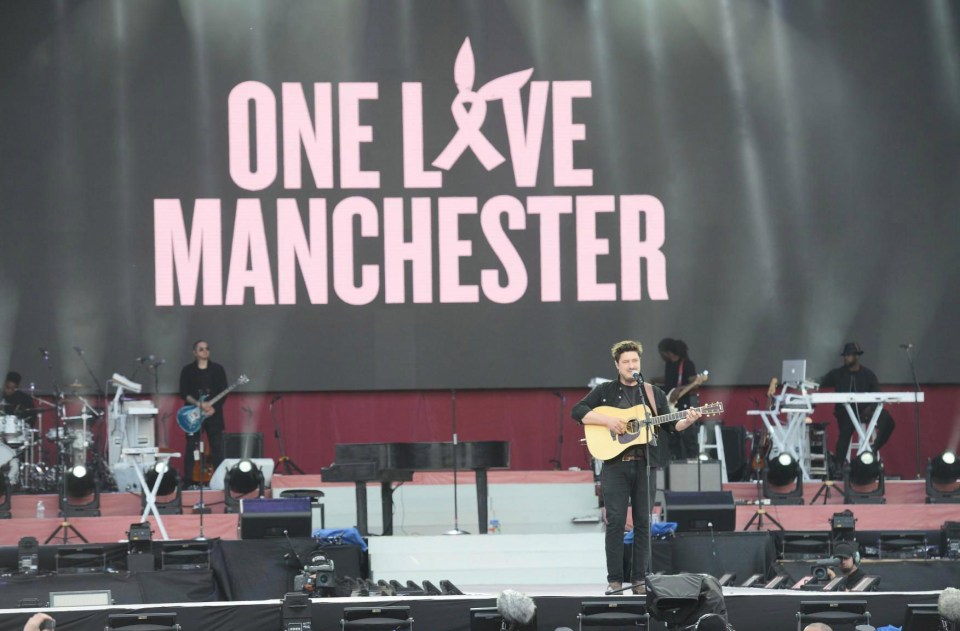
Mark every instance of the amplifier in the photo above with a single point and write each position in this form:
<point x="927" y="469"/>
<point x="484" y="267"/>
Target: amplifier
<point x="687" y="475"/>
<point x="262" y="518"/>
<point x="701" y="511"/>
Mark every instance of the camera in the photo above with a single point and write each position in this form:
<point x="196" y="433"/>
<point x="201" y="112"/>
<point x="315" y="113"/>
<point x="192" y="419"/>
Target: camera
<point x="820" y="568"/>
<point x="318" y="576"/>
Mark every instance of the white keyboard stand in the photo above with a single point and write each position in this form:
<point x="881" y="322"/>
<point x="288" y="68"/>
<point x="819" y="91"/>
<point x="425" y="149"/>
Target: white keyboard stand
<point x="135" y="458"/>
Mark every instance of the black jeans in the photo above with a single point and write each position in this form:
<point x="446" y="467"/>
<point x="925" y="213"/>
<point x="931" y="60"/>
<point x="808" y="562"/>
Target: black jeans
<point x="623" y="482"/>
<point x="885" y="427"/>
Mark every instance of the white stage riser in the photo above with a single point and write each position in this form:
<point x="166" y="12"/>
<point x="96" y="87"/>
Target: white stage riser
<point x="554" y="559"/>
<point x="428" y="509"/>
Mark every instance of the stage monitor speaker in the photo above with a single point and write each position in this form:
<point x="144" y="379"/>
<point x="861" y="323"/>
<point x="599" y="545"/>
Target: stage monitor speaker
<point x="688" y="475"/>
<point x="84" y="559"/>
<point x="701" y="511"/>
<point x="243" y="445"/>
<point x="263" y="518"/>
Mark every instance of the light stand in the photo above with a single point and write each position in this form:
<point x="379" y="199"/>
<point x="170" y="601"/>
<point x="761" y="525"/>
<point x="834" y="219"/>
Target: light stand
<point x="648" y="429"/>
<point x="453" y="417"/>
<point x="289" y="466"/>
<point x="916" y="403"/>
<point x="761" y="512"/>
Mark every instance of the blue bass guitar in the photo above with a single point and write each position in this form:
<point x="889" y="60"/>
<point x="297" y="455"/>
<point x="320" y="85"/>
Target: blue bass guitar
<point x="190" y="417"/>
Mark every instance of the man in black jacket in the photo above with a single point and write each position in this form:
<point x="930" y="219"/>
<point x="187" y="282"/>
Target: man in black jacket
<point x="624" y="478"/>
<point x="201" y="380"/>
<point x="855" y="377"/>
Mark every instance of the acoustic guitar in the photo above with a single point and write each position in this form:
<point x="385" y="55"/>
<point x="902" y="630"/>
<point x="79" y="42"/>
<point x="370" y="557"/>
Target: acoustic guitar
<point x="605" y="444"/>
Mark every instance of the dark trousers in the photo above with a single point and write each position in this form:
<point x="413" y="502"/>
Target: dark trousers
<point x="622" y="483"/>
<point x="214" y="432"/>
<point x="885" y="427"/>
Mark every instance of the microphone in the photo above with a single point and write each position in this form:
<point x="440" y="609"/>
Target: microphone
<point x="516" y="609"/>
<point x="906" y="347"/>
<point x="146" y="358"/>
<point x="948" y="605"/>
<point x="637" y="376"/>
<point x="275" y="399"/>
<point x="79" y="350"/>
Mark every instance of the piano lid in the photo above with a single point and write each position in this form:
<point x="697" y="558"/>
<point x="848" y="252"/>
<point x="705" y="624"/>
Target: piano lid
<point x="490" y="454"/>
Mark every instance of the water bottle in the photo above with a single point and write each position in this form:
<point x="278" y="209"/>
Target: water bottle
<point x="41" y="510"/>
<point x="494" y="526"/>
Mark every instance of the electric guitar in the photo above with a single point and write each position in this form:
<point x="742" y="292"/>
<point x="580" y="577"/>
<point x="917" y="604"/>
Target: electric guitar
<point x="190" y="417"/>
<point x="681" y="391"/>
<point x="605" y="444"/>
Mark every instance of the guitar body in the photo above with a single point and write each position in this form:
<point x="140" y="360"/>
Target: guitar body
<point x="679" y="392"/>
<point x="190" y="418"/>
<point x="605" y="444"/>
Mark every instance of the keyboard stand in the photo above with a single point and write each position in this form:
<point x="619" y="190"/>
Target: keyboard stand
<point x="150" y="494"/>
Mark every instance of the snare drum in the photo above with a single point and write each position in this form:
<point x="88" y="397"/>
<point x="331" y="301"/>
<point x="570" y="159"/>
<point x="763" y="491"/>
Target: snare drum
<point x="13" y="429"/>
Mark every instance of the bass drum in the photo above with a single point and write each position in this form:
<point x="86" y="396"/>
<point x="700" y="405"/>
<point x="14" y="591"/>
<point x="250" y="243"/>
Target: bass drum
<point x="9" y="465"/>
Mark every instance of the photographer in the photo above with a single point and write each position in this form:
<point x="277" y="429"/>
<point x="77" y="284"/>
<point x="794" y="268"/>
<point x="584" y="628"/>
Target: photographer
<point x="849" y="554"/>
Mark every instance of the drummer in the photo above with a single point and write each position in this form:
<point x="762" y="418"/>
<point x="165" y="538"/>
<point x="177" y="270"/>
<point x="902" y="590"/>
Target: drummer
<point x="15" y="401"/>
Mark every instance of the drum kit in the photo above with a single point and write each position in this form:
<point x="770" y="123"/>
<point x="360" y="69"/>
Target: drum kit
<point x="34" y="456"/>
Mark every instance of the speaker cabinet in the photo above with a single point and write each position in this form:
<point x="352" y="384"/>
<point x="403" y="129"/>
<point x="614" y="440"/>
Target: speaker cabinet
<point x="701" y="511"/>
<point x="243" y="445"/>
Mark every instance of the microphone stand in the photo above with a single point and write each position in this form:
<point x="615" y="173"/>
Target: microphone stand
<point x="289" y="466"/>
<point x="916" y="404"/>
<point x="648" y="428"/>
<point x="453" y="416"/>
<point x="559" y="461"/>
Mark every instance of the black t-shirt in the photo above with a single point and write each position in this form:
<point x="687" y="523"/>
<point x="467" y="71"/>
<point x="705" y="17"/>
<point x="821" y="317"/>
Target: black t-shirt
<point x="206" y="383"/>
<point x="20" y="404"/>
<point x="844" y="380"/>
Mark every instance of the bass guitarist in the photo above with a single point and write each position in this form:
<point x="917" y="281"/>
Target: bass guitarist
<point x="201" y="379"/>
<point x="623" y="479"/>
<point x="679" y="371"/>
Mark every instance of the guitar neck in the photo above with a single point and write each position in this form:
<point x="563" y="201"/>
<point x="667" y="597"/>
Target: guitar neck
<point x="673" y="416"/>
<point x="223" y="394"/>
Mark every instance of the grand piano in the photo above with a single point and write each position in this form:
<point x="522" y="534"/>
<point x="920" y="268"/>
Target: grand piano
<point x="387" y="463"/>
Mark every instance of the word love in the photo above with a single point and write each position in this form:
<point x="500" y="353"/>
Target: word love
<point x="307" y="129"/>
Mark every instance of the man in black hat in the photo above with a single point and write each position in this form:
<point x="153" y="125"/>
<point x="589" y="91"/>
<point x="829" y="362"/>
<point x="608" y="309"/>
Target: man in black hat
<point x="855" y="377"/>
<point x="849" y="554"/>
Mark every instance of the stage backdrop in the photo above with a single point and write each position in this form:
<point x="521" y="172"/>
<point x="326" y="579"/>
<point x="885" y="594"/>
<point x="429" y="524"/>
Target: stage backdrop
<point x="476" y="194"/>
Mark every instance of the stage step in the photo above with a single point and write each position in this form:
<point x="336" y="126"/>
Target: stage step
<point x="554" y="559"/>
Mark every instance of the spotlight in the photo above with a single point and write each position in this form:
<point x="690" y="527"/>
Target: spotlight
<point x="170" y="485"/>
<point x="28" y="555"/>
<point x="943" y="479"/>
<point x="241" y="479"/>
<point x="783" y="471"/>
<point x="864" y="481"/>
<point x="79" y="484"/>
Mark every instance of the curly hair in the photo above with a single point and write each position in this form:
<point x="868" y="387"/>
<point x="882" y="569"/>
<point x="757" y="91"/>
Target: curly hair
<point x="625" y="346"/>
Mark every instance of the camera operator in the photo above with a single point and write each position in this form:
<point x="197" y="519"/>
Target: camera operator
<point x="849" y="554"/>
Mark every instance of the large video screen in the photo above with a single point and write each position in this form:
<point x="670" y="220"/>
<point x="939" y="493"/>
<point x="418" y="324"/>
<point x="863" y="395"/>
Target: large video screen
<point x="476" y="194"/>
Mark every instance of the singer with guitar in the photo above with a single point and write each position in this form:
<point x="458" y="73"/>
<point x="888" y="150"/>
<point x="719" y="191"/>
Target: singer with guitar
<point x="202" y="379"/>
<point x="624" y="478"/>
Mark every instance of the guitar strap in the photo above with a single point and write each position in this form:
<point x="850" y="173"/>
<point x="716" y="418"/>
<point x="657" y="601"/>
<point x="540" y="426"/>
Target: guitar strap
<point x="652" y="400"/>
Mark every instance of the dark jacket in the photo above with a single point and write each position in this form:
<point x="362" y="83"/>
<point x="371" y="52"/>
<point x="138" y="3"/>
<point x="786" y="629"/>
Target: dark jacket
<point x="206" y="383"/>
<point x="611" y="394"/>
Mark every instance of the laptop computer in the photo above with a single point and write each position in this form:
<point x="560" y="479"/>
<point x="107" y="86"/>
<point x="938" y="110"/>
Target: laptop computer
<point x="794" y="371"/>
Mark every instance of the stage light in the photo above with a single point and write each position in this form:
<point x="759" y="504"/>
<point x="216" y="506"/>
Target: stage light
<point x="170" y="480"/>
<point x="943" y="479"/>
<point x="241" y="479"/>
<point x="843" y="526"/>
<point x="864" y="480"/>
<point x="170" y="488"/>
<point x="79" y="484"/>
<point x="782" y="482"/>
